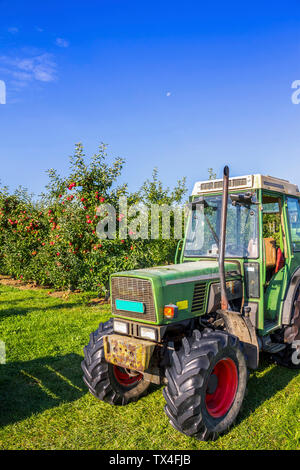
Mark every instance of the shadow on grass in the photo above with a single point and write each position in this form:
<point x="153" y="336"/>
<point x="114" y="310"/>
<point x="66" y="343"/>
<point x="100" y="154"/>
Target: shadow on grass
<point x="262" y="388"/>
<point x="31" y="387"/>
<point x="13" y="301"/>
<point x="27" y="388"/>
<point x="8" y="312"/>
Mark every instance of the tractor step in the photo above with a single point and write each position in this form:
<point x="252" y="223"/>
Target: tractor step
<point x="270" y="325"/>
<point x="270" y="347"/>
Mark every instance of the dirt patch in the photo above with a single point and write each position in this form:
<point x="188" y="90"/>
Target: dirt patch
<point x="97" y="301"/>
<point x="9" y="281"/>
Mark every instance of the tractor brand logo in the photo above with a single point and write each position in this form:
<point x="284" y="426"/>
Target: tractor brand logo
<point x="296" y="353"/>
<point x="182" y="305"/>
<point x="2" y="92"/>
<point x="2" y="353"/>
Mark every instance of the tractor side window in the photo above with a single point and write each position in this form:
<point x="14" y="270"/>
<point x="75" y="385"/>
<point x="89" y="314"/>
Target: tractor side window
<point x="271" y="221"/>
<point x="294" y="219"/>
<point x="273" y="236"/>
<point x="241" y="231"/>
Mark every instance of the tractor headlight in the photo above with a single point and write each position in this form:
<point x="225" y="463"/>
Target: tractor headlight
<point x="148" y="333"/>
<point x="121" y="327"/>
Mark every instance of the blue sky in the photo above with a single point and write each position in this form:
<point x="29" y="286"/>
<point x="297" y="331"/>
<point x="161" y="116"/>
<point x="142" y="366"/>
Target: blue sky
<point x="182" y="86"/>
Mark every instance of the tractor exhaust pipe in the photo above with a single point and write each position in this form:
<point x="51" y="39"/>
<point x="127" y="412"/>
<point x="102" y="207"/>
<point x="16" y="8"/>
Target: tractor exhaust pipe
<point x="224" y="299"/>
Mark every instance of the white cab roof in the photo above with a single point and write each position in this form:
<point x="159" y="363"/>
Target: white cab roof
<point x="247" y="181"/>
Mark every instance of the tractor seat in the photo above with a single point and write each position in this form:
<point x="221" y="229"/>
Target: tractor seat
<point x="280" y="261"/>
<point x="270" y="253"/>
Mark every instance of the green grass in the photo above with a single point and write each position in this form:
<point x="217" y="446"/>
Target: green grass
<point x="45" y="405"/>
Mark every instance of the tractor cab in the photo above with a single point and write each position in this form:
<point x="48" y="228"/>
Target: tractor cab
<point x="262" y="237"/>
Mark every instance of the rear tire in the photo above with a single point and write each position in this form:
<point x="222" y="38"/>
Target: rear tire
<point x="290" y="356"/>
<point x="106" y="381"/>
<point x="206" y="384"/>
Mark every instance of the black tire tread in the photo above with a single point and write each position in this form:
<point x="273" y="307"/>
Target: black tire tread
<point x="96" y="371"/>
<point x="185" y="379"/>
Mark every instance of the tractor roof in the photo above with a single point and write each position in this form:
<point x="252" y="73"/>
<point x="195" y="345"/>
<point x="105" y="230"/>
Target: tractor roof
<point x="250" y="182"/>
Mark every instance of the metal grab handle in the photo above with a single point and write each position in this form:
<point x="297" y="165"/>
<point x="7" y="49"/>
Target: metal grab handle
<point x="177" y="249"/>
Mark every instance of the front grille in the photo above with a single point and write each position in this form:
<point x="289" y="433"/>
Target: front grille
<point x="135" y="289"/>
<point x="199" y="297"/>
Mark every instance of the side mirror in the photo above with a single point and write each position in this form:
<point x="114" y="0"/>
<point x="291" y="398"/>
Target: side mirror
<point x="178" y="248"/>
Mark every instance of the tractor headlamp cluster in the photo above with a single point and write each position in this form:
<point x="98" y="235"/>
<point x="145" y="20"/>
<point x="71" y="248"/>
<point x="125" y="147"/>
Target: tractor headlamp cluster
<point x="148" y="333"/>
<point x="121" y="327"/>
<point x="125" y="328"/>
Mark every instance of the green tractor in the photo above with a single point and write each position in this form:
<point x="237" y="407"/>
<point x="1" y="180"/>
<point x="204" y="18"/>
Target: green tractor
<point x="197" y="326"/>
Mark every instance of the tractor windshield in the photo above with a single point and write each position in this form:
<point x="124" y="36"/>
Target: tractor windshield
<point x="204" y="229"/>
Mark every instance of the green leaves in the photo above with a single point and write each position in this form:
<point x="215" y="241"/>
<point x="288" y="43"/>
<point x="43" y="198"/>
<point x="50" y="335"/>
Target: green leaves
<point x="53" y="240"/>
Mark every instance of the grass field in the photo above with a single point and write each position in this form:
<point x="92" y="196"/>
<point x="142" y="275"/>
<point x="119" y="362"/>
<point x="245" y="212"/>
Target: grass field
<point x="45" y="405"/>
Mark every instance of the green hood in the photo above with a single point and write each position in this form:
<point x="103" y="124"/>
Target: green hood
<point x="182" y="273"/>
<point x="175" y="284"/>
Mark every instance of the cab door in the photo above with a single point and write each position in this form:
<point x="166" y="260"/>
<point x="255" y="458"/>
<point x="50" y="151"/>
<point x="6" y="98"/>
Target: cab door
<point x="275" y="256"/>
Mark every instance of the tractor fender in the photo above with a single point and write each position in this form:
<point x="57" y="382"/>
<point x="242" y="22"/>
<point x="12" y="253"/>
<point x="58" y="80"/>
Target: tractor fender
<point x="288" y="303"/>
<point x="241" y="326"/>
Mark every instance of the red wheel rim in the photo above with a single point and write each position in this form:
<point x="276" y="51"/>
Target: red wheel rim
<point x="123" y="378"/>
<point x="219" y="402"/>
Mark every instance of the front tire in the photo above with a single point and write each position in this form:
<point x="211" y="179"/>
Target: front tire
<point x="206" y="384"/>
<point x="106" y="381"/>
